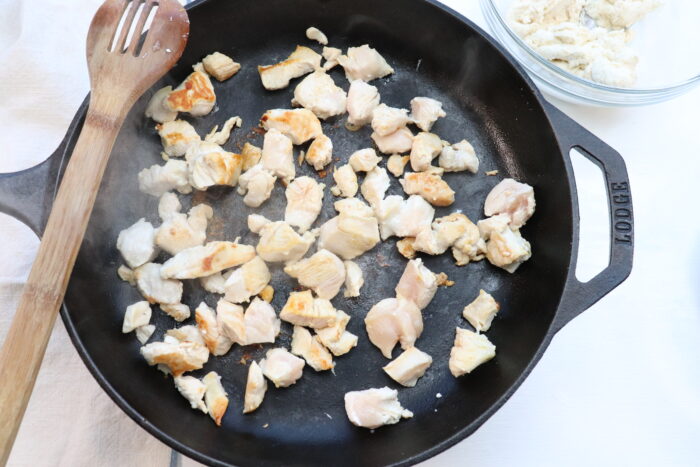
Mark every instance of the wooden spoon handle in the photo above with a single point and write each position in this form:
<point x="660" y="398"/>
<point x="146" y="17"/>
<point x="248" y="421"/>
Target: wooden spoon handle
<point x="25" y="344"/>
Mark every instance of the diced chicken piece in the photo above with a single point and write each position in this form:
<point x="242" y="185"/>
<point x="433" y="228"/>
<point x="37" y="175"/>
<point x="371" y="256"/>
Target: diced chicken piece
<point x="507" y="249"/>
<point x="255" y="388"/>
<point x="210" y="165"/>
<point x="217" y="342"/>
<point x="373" y="408"/>
<point x="396" y="164"/>
<point x="418" y="284"/>
<point x="302" y="309"/>
<point x="353" y="207"/>
<point x="481" y="311"/>
<point x="364" y="63"/>
<point x="342" y="345"/>
<point x="220" y="137"/>
<point x="513" y="198"/>
<point x="425" y="148"/>
<point x="351" y="233"/>
<point x="179" y="232"/>
<point x="138" y="314"/>
<point x="430" y="186"/>
<point x="315" y="34"/>
<point x="193" y="390"/>
<point x="408" y="367"/>
<point x="387" y="120"/>
<point x="362" y="101"/>
<point x="470" y="246"/>
<point x="247" y="281"/>
<point x="460" y="156"/>
<point x="444" y="233"/>
<point x="143" y="333"/>
<point x="281" y="367"/>
<point x="251" y="155"/>
<point x="404" y="218"/>
<point x="469" y="351"/>
<point x="177" y="137"/>
<point x="496" y="223"/>
<point x="320" y="152"/>
<point x="126" y="274"/>
<point x="137" y="243"/>
<point x="375" y="185"/>
<point x="319" y="93"/>
<point x="159" y="179"/>
<point x="323" y="272"/>
<point x="304" y="200"/>
<point x="177" y="311"/>
<point x="302" y="61"/>
<point x="178" y="357"/>
<point x="399" y="141"/>
<point x="256" y="184"/>
<point x="346" y="181"/>
<point x="188" y="333"/>
<point x="364" y="160"/>
<point x="267" y="294"/>
<point x="425" y="111"/>
<point x="215" y="397"/>
<point x="168" y="206"/>
<point x="195" y="95"/>
<point x="257" y="222"/>
<point x="220" y="66"/>
<point x="334" y="332"/>
<point x="330" y="55"/>
<point x="354" y="279"/>
<point x="230" y="321"/>
<point x="206" y="260"/>
<point x="277" y="155"/>
<point x="156" y="108"/>
<point x="299" y="125"/>
<point x="310" y="349"/>
<point x="213" y="283"/>
<point x="154" y="288"/>
<point x="280" y="243"/>
<point x="406" y="248"/>
<point x="394" y="320"/>
<point x="261" y="323"/>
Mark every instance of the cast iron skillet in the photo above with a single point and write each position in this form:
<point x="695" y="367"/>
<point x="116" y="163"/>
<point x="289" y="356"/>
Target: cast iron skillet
<point x="488" y="100"/>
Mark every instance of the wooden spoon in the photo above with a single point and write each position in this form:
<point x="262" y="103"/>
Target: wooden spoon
<point x="122" y="65"/>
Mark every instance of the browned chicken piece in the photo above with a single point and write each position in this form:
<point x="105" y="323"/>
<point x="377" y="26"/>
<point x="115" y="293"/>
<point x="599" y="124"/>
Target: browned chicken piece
<point x="302" y="61"/>
<point x="255" y="388"/>
<point x="215" y="397"/>
<point x="210" y="164"/>
<point x="430" y="186"/>
<point x="177" y="137"/>
<point x="507" y="249"/>
<point x="396" y="164"/>
<point x="310" y="349"/>
<point x="425" y="148"/>
<point x="303" y="310"/>
<point x="320" y="152"/>
<point x="217" y="342"/>
<point x="220" y="66"/>
<point x="299" y="125"/>
<point x="469" y="351"/>
<point x="251" y="155"/>
<point x="205" y="260"/>
<point x="195" y="95"/>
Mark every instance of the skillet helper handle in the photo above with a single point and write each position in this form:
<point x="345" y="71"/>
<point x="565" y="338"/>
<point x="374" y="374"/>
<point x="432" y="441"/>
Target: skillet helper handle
<point x="578" y="296"/>
<point x="25" y="344"/>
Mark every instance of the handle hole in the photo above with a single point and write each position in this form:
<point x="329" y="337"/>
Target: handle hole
<point x="594" y="239"/>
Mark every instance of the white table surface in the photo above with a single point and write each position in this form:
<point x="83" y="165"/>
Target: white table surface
<point x="618" y="385"/>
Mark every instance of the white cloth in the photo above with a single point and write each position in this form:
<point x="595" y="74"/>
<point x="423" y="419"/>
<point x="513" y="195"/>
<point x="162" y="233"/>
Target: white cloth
<point x="619" y="384"/>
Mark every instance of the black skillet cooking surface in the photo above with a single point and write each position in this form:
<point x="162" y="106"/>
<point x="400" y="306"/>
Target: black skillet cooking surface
<point x="488" y="101"/>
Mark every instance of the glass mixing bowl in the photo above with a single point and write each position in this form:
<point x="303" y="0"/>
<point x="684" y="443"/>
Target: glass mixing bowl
<point x="667" y="43"/>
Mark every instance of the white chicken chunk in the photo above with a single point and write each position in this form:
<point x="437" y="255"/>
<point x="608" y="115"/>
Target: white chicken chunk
<point x="177" y="137"/>
<point x="277" y="155"/>
<point x="362" y="100"/>
<point x="154" y="288"/>
<point x="387" y="120"/>
<point x="418" y="284"/>
<point x="214" y="283"/>
<point x="281" y="367"/>
<point x="257" y="222"/>
<point x="159" y="179"/>
<point x="215" y="397"/>
<point x="425" y="111"/>
<point x="319" y="93"/>
<point x="177" y="356"/>
<point x="280" y="243"/>
<point x="354" y="279"/>
<point x="469" y="351"/>
<point x="230" y="320"/>
<point x="256" y="184"/>
<point x="193" y="390"/>
<point x="481" y="311"/>
<point x="188" y="333"/>
<point x="375" y="185"/>
<point x="335" y="338"/>
<point x="404" y="218"/>
<point x="507" y="249"/>
<point x="470" y="246"/>
<point x="143" y="333"/>
<point x="373" y="408"/>
<point x="364" y="63"/>
<point x="299" y="125"/>
<point x="408" y="367"/>
<point x="137" y="315"/>
<point x="302" y="61"/>
<point x="397" y="142"/>
<point x="255" y="388"/>
<point x="195" y="95"/>
<point x="220" y="137"/>
<point x="199" y="261"/>
<point x="444" y="233"/>
<point x="323" y="272"/>
<point x="247" y="281"/>
<point x="126" y="274"/>
<point x="496" y="223"/>
<point x="304" y="200"/>
<point x="215" y="339"/>
<point x="210" y="164"/>
<point x="330" y="55"/>
<point x="430" y="186"/>
<point x="179" y="231"/>
<point x="137" y="243"/>
<point x="425" y="148"/>
<point x="302" y="309"/>
<point x="364" y="160"/>
<point x="346" y="181"/>
<point x="352" y="232"/>
<point x="394" y="320"/>
<point x="317" y="35"/>
<point x="513" y="198"/>
<point x="311" y="350"/>
<point x="156" y="106"/>
<point x="396" y="164"/>
<point x="458" y="157"/>
<point x="220" y="66"/>
<point x="320" y="152"/>
<point x="251" y="156"/>
<point x="261" y="323"/>
<point x="177" y="311"/>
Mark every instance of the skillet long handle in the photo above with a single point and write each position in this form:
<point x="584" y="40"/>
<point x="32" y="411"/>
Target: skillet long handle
<point x="25" y="344"/>
<point x="579" y="296"/>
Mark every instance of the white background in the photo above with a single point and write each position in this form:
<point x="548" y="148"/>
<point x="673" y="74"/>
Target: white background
<point x="618" y="385"/>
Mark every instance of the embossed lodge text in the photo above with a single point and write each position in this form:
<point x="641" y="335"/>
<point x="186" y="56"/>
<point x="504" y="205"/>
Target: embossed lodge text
<point x="622" y="214"/>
